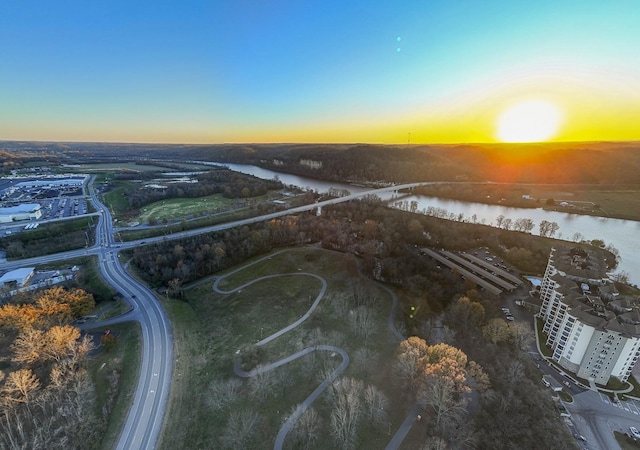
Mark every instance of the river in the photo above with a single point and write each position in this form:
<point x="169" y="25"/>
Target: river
<point x="624" y="235"/>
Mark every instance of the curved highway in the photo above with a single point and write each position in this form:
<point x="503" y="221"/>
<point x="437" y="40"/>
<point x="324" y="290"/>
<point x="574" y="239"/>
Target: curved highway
<point x="144" y="421"/>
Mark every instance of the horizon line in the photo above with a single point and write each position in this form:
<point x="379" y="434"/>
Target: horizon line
<point x="319" y="143"/>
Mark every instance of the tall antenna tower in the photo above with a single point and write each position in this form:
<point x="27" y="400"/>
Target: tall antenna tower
<point x="409" y="139"/>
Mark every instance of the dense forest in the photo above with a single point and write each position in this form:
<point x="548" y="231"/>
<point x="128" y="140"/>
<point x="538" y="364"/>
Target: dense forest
<point x="384" y="239"/>
<point x="222" y="181"/>
<point x="560" y="163"/>
<point x="615" y="163"/>
<point x="512" y="411"/>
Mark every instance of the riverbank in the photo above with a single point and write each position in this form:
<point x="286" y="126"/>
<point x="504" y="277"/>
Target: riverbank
<point x="616" y="202"/>
<point x="618" y="233"/>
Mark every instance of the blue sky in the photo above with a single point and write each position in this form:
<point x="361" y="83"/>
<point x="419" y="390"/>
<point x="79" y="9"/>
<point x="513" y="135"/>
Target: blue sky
<point x="330" y="71"/>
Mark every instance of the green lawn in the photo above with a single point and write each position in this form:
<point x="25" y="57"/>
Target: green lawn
<point x="542" y="338"/>
<point x="116" y="200"/>
<point x="181" y="207"/>
<point x="115" y="167"/>
<point x="210" y="328"/>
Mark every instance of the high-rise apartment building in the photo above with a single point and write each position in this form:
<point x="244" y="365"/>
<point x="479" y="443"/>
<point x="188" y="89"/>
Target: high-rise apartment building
<point x="593" y="331"/>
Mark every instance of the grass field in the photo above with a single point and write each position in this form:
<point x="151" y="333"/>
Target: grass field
<point x="125" y="359"/>
<point x="210" y="328"/>
<point x="182" y="207"/>
<point x="621" y="203"/>
<point x="113" y="167"/>
<point x="116" y="200"/>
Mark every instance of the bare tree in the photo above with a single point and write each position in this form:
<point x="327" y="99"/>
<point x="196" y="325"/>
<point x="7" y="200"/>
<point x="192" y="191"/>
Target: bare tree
<point x="364" y="322"/>
<point x="56" y="418"/>
<point x="363" y="295"/>
<point x="221" y="393"/>
<point x="435" y="443"/>
<point x="520" y="334"/>
<point x="347" y="410"/>
<point x="515" y="371"/>
<point x="20" y="386"/>
<point x="376" y="404"/>
<point x="365" y="362"/>
<point x="241" y="427"/>
<point x="439" y="396"/>
<point x="306" y="431"/>
<point x="262" y="383"/>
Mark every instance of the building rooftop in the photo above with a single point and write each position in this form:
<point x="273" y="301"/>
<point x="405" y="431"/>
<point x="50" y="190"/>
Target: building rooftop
<point x="581" y="280"/>
<point x="23" y="208"/>
<point x="577" y="262"/>
<point x="17" y="275"/>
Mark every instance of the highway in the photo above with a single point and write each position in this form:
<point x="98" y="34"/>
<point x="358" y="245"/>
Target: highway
<point x="143" y="425"/>
<point x="145" y="418"/>
<point x="105" y="241"/>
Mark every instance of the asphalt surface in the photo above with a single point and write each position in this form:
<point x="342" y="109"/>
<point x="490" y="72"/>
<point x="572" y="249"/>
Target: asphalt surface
<point x="144" y="421"/>
<point x="291" y="420"/>
<point x="592" y="414"/>
<point x="143" y="425"/>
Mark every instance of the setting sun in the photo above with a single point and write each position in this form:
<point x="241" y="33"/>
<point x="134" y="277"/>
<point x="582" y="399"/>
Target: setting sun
<point x="529" y="121"/>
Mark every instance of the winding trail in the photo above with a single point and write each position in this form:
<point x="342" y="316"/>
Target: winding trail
<point x="290" y="327"/>
<point x="291" y="420"/>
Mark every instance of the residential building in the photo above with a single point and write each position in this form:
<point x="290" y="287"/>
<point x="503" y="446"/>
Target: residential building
<point x="593" y="331"/>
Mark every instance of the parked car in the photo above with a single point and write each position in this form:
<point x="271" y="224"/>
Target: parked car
<point x="510" y="318"/>
<point x="506" y="310"/>
<point x="634" y="432"/>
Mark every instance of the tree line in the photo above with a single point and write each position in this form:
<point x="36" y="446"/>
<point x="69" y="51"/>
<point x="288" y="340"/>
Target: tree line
<point x="496" y="400"/>
<point x="221" y="181"/>
<point x="384" y="238"/>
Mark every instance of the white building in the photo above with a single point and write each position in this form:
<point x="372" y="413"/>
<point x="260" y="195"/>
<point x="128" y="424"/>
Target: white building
<point x="18" y="277"/>
<point x="28" y="279"/>
<point x="26" y="211"/>
<point x="593" y="332"/>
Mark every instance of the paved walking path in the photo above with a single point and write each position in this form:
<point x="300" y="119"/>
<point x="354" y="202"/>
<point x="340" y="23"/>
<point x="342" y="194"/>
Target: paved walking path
<point x="291" y="420"/>
<point x="402" y="432"/>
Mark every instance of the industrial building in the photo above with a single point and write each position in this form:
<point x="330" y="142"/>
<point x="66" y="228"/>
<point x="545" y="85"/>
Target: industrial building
<point x="25" y="211"/>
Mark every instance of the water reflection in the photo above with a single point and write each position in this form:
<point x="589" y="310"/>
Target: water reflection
<point x="622" y="234"/>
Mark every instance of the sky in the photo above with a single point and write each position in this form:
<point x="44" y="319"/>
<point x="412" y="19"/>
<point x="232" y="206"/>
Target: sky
<point x="378" y="71"/>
